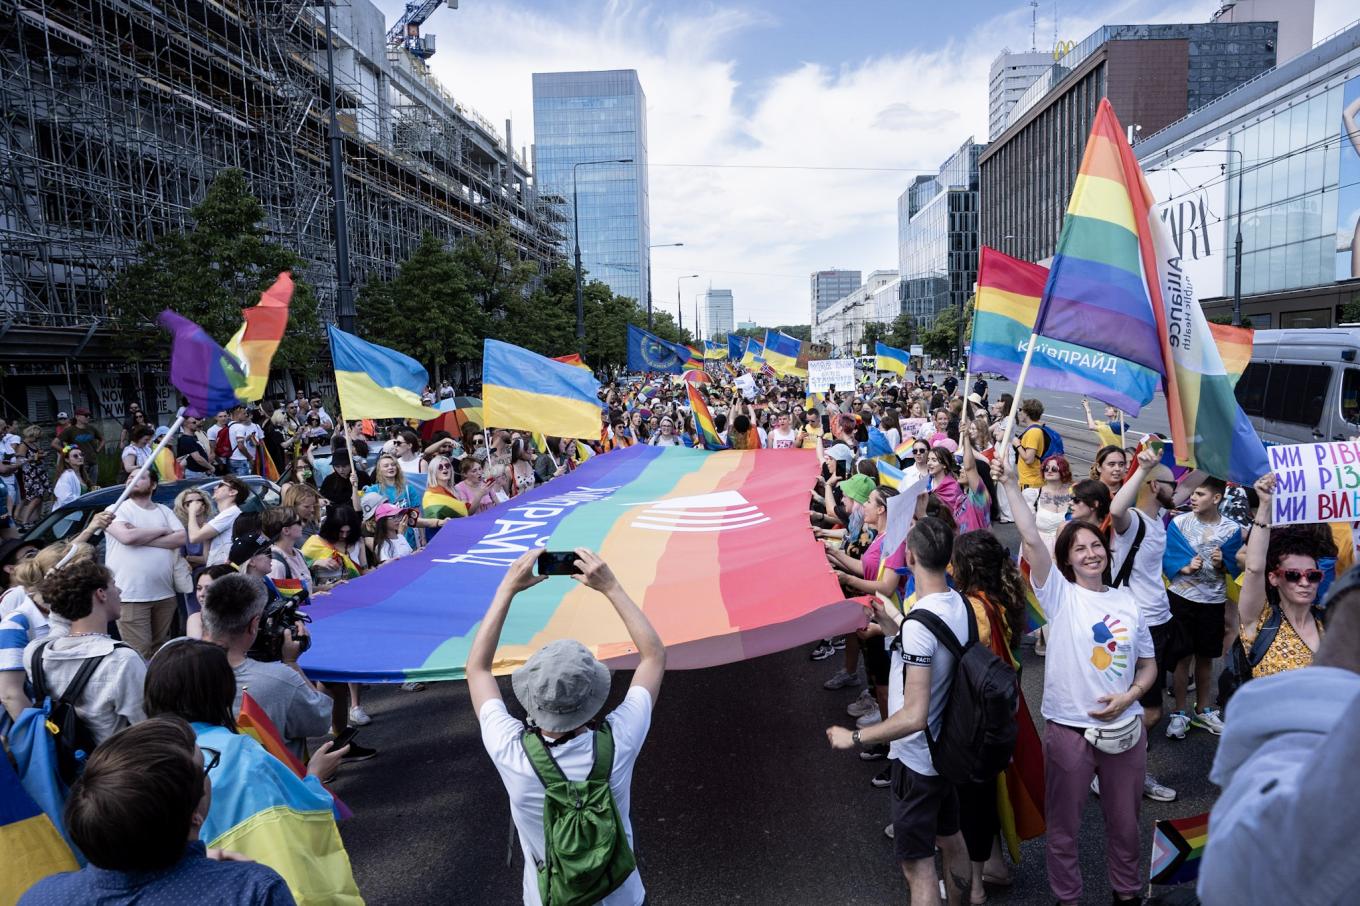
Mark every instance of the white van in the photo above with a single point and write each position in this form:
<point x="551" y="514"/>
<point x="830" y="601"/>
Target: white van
<point x="1303" y="385"/>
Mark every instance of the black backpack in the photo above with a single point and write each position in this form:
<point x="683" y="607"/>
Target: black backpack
<point x="978" y="730"/>
<point x="74" y="741"/>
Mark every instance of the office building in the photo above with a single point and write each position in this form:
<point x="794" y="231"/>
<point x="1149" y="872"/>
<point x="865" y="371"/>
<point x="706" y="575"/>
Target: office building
<point x="829" y="287"/>
<point x="1295" y="19"/>
<point x="580" y="118"/>
<point x="117" y="118"/>
<point x="747" y="325"/>
<point x="1153" y="75"/>
<point x="841" y="325"/>
<point x="937" y="237"/>
<point x="717" y="312"/>
<point x="1292" y="138"/>
<point x="1009" y="78"/>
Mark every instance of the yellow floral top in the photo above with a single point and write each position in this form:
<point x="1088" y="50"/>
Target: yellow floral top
<point x="1288" y="652"/>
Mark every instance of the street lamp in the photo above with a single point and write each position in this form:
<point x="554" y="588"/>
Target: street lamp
<point x="344" y="290"/>
<point x="576" y="237"/>
<point x="679" y="311"/>
<point x="663" y="245"/>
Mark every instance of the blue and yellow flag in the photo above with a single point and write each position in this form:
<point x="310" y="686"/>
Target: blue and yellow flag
<point x="888" y="358"/>
<point x="32" y="846"/>
<point x="713" y="352"/>
<point x="754" y="355"/>
<point x="782" y="351"/>
<point x="648" y="352"/>
<point x="530" y="392"/>
<point x="376" y="382"/>
<point x="736" y="347"/>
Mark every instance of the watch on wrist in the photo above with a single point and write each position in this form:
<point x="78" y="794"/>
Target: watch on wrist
<point x="855" y="736"/>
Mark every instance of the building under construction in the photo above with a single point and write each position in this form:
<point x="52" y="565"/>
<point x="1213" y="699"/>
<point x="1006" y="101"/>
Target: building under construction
<point x="115" y="115"/>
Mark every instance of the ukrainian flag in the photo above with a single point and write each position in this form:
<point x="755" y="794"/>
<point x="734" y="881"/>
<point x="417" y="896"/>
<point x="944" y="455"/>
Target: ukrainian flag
<point x="886" y="358"/>
<point x="781" y="352"/>
<point x="530" y="392"/>
<point x="32" y="846"/>
<point x="376" y="382"/>
<point x="713" y="352"/>
<point x="754" y="354"/>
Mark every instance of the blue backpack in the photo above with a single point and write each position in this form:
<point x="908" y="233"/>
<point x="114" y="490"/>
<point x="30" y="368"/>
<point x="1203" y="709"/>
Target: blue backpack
<point x="1053" y="443"/>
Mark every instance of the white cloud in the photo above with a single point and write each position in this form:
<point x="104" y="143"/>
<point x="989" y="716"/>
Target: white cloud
<point x="759" y="232"/>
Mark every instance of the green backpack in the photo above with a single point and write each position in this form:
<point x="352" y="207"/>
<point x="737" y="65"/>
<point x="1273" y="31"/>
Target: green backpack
<point x="587" y="856"/>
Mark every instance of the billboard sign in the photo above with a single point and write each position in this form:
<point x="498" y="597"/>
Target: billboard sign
<point x="1348" y="202"/>
<point x="1191" y="193"/>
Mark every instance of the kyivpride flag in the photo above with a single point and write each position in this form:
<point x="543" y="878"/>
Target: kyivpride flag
<point x="530" y="392"/>
<point x="1007" y="302"/>
<point x="714" y="548"/>
<point x="1117" y="286"/>
<point x="376" y="382"/>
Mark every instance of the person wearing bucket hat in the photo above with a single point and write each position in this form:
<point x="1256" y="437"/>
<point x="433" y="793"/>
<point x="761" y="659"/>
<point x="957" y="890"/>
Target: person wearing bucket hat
<point x="562" y="687"/>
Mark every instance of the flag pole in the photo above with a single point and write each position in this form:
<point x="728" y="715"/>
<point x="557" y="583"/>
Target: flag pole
<point x="1122" y="442"/>
<point x="127" y="488"/>
<point x="1019" y="389"/>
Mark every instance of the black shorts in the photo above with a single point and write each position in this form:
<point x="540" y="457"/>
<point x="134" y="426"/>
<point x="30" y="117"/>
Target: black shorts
<point x="877" y="661"/>
<point x="923" y="808"/>
<point x="1168" y="648"/>
<point x="1202" y="624"/>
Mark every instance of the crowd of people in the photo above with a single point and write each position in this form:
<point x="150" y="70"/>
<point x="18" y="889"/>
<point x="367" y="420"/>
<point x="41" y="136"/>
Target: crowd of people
<point x="1135" y="573"/>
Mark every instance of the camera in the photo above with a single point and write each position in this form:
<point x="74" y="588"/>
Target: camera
<point x="279" y="615"/>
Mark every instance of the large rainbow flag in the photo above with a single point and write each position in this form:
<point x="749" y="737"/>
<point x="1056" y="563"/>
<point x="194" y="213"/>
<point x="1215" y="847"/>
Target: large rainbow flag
<point x="1008" y="295"/>
<point x="714" y="547"/>
<point x="254" y="344"/>
<point x="1116" y="286"/>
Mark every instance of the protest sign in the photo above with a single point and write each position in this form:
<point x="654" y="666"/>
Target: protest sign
<point x="747" y="385"/>
<point x="824" y="374"/>
<point x="901" y="512"/>
<point x="1316" y="482"/>
<point x="917" y="350"/>
<point x="916" y="427"/>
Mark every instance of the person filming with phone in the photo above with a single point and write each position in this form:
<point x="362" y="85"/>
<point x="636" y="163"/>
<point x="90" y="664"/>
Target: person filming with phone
<point x="565" y="752"/>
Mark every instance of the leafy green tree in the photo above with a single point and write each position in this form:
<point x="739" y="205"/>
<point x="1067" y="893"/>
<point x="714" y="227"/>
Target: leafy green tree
<point x="797" y="331"/>
<point x="208" y="274"/>
<point x="941" y="338"/>
<point x="495" y="277"/>
<point x="902" y="333"/>
<point x="874" y="332"/>
<point x="426" y="311"/>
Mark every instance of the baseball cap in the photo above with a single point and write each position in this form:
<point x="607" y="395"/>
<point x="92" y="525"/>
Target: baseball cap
<point x="63" y="416"/>
<point x="386" y="509"/>
<point x="369" y="503"/>
<point x="82" y="410"/>
<point x="245" y="547"/>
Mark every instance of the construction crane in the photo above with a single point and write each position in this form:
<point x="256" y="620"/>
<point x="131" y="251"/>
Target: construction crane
<point x="406" y="33"/>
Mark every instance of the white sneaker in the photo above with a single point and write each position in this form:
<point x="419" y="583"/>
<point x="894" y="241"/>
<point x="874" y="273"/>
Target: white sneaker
<point x="1155" y="791"/>
<point x="888" y="832"/>
<point x="412" y="686"/>
<point x="869" y="719"/>
<point x="862" y="705"/>
<point x="1180" y="723"/>
<point x="841" y="679"/>
<point x="359" y="717"/>
<point x="1211" y="720"/>
<point x="1095" y="785"/>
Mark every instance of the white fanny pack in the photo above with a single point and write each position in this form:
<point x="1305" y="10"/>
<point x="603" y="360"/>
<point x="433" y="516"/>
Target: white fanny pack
<point x="1119" y="738"/>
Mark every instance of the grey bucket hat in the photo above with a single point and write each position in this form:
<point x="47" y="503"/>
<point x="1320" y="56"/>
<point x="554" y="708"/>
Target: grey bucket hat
<point x="562" y="686"/>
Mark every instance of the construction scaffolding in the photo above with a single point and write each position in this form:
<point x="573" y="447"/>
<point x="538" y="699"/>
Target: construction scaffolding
<point x="115" y="115"/>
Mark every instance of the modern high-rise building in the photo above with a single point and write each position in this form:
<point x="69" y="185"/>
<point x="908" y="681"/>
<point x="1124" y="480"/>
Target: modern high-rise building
<point x="829" y="287"/>
<point x="580" y="120"/>
<point x="937" y="237"/>
<point x="1010" y="77"/>
<point x="1153" y="75"/>
<point x="717" y="312"/>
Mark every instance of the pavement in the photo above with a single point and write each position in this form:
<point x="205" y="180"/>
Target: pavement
<point x="737" y="797"/>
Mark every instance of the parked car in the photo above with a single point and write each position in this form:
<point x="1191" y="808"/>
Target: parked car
<point x="67" y="521"/>
<point x="1303" y="385"/>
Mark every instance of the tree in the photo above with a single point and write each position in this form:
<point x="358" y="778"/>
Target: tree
<point x="902" y="333"/>
<point x="494" y="273"/>
<point x="797" y="331"/>
<point x="208" y="274"/>
<point x="426" y="311"/>
<point x="941" y="338"/>
<point x="874" y="332"/>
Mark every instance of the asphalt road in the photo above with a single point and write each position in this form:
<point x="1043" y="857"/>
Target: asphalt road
<point x="737" y="798"/>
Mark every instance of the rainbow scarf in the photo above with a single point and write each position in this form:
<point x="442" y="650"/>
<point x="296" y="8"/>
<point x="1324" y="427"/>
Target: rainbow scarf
<point x="440" y="503"/>
<point x="316" y="548"/>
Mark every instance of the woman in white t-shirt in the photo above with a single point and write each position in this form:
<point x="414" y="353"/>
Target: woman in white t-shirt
<point x="1100" y="662"/>
<point x="71" y="481"/>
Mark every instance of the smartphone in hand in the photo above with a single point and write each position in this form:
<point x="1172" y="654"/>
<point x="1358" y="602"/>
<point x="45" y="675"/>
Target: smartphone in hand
<point x="557" y="563"/>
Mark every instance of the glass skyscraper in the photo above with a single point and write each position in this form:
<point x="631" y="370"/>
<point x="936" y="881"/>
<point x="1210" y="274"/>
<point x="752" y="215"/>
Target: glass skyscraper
<point x="590" y="116"/>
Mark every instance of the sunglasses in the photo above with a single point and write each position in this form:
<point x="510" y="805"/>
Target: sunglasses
<point x="1295" y="576"/>
<point x="920" y="451"/>
<point x="210" y="763"/>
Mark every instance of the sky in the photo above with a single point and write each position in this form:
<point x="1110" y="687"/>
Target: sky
<point x="781" y="132"/>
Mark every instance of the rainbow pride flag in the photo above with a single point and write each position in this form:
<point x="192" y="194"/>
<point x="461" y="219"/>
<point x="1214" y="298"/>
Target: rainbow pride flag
<point x="439" y="503"/>
<point x="703" y="420"/>
<point x="714" y="547"/>
<point x="574" y="360"/>
<point x="1117" y="286"/>
<point x="1008" y="295"/>
<point x="199" y="368"/>
<point x="1177" y="848"/>
<point x="255" y="723"/>
<point x="254" y="345"/>
<point x="165" y="464"/>
<point x="1234" y="347"/>
<point x="264" y="464"/>
<point x="315" y="548"/>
